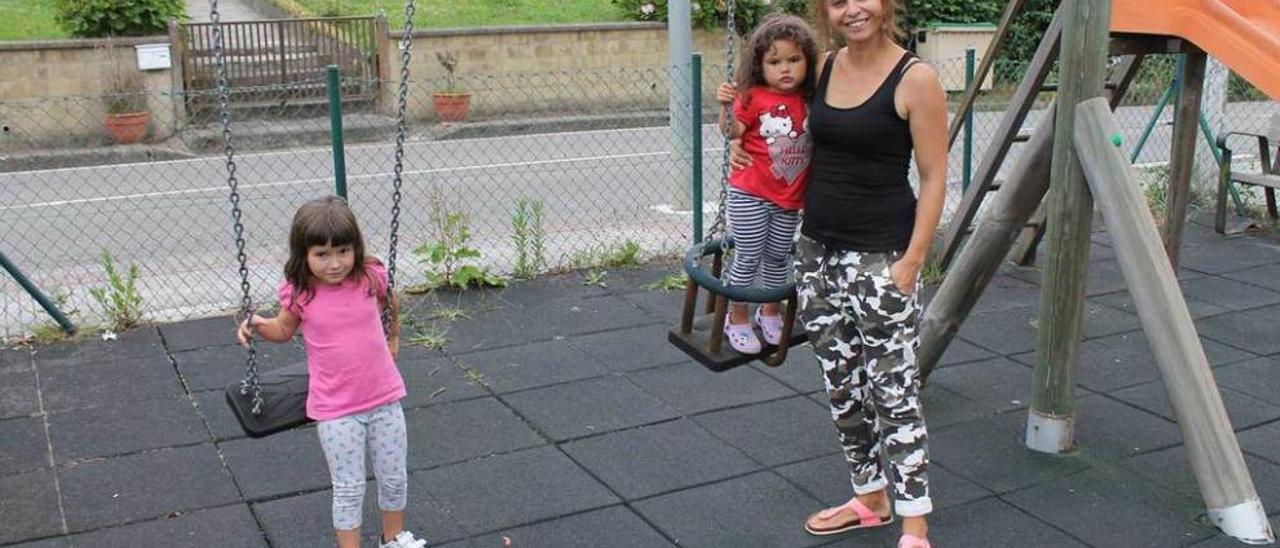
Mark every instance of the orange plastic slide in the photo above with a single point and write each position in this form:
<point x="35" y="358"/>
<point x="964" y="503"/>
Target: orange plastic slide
<point x="1243" y="34"/>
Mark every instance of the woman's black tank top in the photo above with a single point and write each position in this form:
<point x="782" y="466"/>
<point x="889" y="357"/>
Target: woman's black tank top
<point x="858" y="197"/>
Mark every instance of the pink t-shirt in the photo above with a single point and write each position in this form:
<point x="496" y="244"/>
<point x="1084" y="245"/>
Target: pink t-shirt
<point x="347" y="356"/>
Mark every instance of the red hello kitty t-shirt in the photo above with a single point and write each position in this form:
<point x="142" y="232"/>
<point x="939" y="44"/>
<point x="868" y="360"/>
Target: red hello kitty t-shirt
<point x="777" y="138"/>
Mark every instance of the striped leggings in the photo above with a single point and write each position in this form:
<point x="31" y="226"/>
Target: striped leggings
<point x="762" y="235"/>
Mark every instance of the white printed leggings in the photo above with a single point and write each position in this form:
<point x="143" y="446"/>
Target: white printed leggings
<point x="381" y="431"/>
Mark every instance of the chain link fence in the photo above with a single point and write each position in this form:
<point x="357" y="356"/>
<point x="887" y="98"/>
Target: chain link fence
<point x="548" y="171"/>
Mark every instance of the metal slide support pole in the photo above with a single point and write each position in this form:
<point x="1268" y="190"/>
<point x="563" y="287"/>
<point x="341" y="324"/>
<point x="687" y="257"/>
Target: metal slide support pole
<point x="968" y="121"/>
<point x="695" y="72"/>
<point x="31" y="289"/>
<point x="335" y="131"/>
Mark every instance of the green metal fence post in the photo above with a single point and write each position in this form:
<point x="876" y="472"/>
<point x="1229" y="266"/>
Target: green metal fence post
<point x="695" y="75"/>
<point x="335" y="130"/>
<point x="1155" y="116"/>
<point x="45" y="303"/>
<point x="969" y="54"/>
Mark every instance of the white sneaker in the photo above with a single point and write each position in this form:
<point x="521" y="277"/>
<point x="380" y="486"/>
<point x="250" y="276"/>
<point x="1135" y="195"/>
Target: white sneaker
<point x="405" y="540"/>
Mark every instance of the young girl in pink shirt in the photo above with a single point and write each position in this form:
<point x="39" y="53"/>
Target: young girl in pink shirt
<point x="335" y="295"/>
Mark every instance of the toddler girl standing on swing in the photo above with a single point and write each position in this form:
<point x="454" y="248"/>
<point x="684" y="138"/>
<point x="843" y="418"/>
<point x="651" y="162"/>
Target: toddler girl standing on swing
<point x="336" y="294"/>
<point x="774" y="82"/>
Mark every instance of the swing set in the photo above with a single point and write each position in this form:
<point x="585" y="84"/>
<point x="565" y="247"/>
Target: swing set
<point x="271" y="402"/>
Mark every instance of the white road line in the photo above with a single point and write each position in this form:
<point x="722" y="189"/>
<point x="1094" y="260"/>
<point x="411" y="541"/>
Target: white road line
<point x="296" y="182"/>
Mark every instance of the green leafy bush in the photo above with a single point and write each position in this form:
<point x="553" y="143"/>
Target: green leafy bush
<point x="103" y="18"/>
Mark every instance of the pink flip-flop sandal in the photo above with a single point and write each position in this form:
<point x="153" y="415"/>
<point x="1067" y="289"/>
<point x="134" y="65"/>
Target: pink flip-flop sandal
<point x="912" y="541"/>
<point x="867" y="519"/>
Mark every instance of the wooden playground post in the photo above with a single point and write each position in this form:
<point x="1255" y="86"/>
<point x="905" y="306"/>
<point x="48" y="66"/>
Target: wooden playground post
<point x="1085" y="39"/>
<point x="1215" y="456"/>
<point x="1182" y="157"/>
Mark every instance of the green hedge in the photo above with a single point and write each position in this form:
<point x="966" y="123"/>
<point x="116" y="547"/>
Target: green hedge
<point x="103" y="18"/>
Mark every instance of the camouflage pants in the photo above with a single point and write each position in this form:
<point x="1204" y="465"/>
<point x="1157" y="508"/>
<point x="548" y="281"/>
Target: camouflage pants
<point x="864" y="332"/>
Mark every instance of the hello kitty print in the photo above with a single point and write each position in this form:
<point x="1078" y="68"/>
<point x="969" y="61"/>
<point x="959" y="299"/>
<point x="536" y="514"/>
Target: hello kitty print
<point x="777" y="138"/>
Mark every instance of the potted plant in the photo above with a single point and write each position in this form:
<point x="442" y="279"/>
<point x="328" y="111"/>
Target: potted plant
<point x="126" y="102"/>
<point x="452" y="103"/>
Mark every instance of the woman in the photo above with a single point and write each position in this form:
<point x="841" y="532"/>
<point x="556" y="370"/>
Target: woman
<point x="863" y="241"/>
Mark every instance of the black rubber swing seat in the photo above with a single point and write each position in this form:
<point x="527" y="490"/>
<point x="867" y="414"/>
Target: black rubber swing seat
<point x="284" y="401"/>
<point x="693" y="335"/>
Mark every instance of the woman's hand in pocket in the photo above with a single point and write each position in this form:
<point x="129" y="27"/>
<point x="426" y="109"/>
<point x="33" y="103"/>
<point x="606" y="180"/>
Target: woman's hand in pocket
<point x="905" y="273"/>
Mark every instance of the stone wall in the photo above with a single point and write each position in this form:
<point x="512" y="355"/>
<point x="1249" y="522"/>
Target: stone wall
<point x="52" y="92"/>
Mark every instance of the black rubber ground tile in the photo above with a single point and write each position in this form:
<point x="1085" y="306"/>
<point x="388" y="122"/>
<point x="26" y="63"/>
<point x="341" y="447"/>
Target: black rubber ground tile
<point x="146" y="485"/>
<point x="565" y="318"/>
<point x="30" y="506"/>
<point x="1124" y="301"/>
<point x="801" y="371"/>
<point x="1109" y="506"/>
<point x="471" y="300"/>
<point x="1004" y="292"/>
<point x="531" y="365"/>
<point x="776" y="432"/>
<point x="1171" y="469"/>
<point x="942" y="408"/>
<point x="57" y="542"/>
<point x="306" y="521"/>
<point x="455" y="432"/>
<point x="15" y="359"/>
<point x="757" y="510"/>
<point x="203" y="333"/>
<point x="1104" y="277"/>
<point x="1253" y="330"/>
<point x="505" y="491"/>
<point x="1259" y="377"/>
<point x="558" y="287"/>
<point x="228" y="526"/>
<point x="1125" y="359"/>
<point x="1228" y="255"/>
<point x="827" y="479"/>
<point x="991" y="522"/>
<point x="615" y="527"/>
<point x="23" y="446"/>
<point x="140" y="342"/>
<point x="646" y="461"/>
<point x="1263" y="441"/>
<point x="1000" y="384"/>
<point x="120" y="427"/>
<point x="212" y="407"/>
<point x="1228" y="293"/>
<point x="281" y="464"/>
<point x="630" y="348"/>
<point x="1003" y="331"/>
<point x="625" y="280"/>
<point x="663" y="306"/>
<point x="592" y="406"/>
<point x="1266" y="276"/>
<point x="1107" y="428"/>
<point x="960" y="351"/>
<point x="481" y="331"/>
<point x="93" y="384"/>
<point x="1000" y="462"/>
<point x="435" y="380"/>
<point x="18" y="394"/>
<point x="690" y="388"/>
<point x="1244" y="410"/>
<point x="219" y="366"/>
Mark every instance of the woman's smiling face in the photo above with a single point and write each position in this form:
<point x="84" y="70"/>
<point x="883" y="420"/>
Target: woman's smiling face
<point x="856" y="20"/>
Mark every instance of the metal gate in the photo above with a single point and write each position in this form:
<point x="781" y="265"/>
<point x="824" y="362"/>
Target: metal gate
<point x="282" y="61"/>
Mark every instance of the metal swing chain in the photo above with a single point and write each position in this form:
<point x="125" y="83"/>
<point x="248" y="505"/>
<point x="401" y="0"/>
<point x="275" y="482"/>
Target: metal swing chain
<point x="718" y="228"/>
<point x="402" y="99"/>
<point x="250" y="383"/>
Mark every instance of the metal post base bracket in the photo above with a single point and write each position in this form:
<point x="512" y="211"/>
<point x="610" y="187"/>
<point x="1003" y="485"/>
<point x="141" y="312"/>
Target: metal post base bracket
<point x="1050" y="434"/>
<point x="1246" y="521"/>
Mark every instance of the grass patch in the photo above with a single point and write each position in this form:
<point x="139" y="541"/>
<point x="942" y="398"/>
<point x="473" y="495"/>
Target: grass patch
<point x="472" y="13"/>
<point x="29" y="20"/>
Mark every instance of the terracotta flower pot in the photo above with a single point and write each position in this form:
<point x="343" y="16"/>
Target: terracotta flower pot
<point x="452" y="106"/>
<point x="127" y="128"/>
